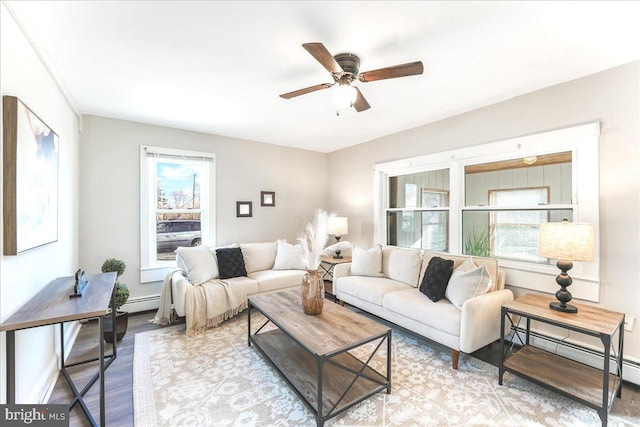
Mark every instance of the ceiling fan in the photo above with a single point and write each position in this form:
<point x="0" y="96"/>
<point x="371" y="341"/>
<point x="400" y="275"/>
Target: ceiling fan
<point x="345" y="69"/>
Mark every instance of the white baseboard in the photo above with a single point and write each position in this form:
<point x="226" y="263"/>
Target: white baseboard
<point x="583" y="353"/>
<point x="150" y="302"/>
<point x="42" y="391"/>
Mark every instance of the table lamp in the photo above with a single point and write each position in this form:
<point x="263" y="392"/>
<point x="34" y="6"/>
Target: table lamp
<point x="566" y="242"/>
<point x="338" y="225"/>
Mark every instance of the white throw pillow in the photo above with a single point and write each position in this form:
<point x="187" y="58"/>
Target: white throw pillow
<point x="199" y="263"/>
<point x="403" y="265"/>
<point x="288" y="257"/>
<point x="258" y="256"/>
<point x="367" y="262"/>
<point x="466" y="282"/>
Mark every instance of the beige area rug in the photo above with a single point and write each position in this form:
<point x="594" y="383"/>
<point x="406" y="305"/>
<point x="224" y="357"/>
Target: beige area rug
<point x="215" y="379"/>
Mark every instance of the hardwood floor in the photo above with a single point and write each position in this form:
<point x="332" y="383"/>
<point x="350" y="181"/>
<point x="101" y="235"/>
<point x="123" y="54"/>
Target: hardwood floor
<point x="119" y="380"/>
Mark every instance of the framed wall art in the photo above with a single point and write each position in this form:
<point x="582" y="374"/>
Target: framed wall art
<point x="30" y="173"/>
<point x="267" y="198"/>
<point x="244" y="209"/>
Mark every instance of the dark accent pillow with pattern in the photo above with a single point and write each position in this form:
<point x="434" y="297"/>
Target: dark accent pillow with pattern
<point x="230" y="263"/>
<point x="436" y="278"/>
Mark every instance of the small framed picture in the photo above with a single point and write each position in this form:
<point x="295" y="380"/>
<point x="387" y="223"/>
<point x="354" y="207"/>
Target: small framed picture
<point x="268" y="198"/>
<point x="244" y="209"/>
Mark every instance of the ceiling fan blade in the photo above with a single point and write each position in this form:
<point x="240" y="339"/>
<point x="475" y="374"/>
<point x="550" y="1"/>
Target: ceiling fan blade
<point x="360" y="103"/>
<point x="403" y="70"/>
<point x="310" y="89"/>
<point x="322" y="55"/>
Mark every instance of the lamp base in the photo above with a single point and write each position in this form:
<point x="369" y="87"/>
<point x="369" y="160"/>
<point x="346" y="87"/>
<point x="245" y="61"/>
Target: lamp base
<point x="563" y="295"/>
<point x="337" y="255"/>
<point x="566" y="308"/>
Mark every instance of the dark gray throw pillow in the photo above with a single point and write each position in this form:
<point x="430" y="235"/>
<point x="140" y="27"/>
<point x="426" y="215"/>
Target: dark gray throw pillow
<point x="230" y="263"/>
<point x="436" y="277"/>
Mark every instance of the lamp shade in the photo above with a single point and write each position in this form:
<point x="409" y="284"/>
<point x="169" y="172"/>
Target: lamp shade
<point x="566" y="241"/>
<point x="338" y="225"/>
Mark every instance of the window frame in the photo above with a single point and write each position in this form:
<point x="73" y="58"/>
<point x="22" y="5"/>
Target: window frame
<point x="583" y="143"/>
<point x="152" y="270"/>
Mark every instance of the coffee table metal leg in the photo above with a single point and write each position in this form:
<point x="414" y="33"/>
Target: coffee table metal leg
<point x="319" y="366"/>
<point x="389" y="362"/>
<point x="249" y="326"/>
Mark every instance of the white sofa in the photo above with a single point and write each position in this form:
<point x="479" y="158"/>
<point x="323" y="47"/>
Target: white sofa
<point x="198" y="265"/>
<point x="396" y="297"/>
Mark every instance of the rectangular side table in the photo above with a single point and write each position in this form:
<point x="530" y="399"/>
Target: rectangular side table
<point x="327" y="264"/>
<point x="590" y="386"/>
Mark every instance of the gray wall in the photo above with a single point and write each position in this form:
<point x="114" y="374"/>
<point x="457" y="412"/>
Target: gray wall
<point x="612" y="96"/>
<point x="22" y="276"/>
<point x="110" y="190"/>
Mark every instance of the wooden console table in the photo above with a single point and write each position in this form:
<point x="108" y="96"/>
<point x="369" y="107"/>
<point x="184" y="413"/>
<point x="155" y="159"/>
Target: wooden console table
<point x="52" y="305"/>
<point x="590" y="386"/>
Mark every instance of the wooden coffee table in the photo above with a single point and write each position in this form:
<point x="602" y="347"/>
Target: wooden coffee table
<point x="313" y="353"/>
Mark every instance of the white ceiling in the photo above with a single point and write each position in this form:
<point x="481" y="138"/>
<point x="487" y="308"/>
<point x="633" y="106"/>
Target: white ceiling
<point x="218" y="67"/>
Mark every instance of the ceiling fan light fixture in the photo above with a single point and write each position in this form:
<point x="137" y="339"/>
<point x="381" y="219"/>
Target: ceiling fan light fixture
<point x="344" y="95"/>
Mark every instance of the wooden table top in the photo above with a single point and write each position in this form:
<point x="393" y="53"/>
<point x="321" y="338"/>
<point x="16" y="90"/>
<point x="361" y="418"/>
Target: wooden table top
<point x="332" y="260"/>
<point x="588" y="317"/>
<point x="336" y="329"/>
<point x="53" y="305"/>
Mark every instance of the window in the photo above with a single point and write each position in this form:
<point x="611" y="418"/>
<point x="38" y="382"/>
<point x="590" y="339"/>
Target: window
<point x="514" y="233"/>
<point x="489" y="200"/>
<point x="418" y="211"/>
<point x="177" y="199"/>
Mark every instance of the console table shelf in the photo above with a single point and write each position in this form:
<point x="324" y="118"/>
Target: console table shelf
<point x="596" y="388"/>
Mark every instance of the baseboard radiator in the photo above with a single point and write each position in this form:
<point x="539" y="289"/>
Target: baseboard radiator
<point x="579" y="352"/>
<point x="134" y="305"/>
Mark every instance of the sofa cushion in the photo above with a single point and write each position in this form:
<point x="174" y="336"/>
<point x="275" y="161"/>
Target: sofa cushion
<point x="199" y="263"/>
<point x="490" y="263"/>
<point x="230" y="263"/>
<point x="436" y="277"/>
<point x="467" y="281"/>
<point x="370" y="289"/>
<point x="411" y="303"/>
<point x="259" y="256"/>
<point x="367" y="262"/>
<point x="271" y="280"/>
<point x="288" y="257"/>
<point x="402" y="264"/>
<point x="248" y="285"/>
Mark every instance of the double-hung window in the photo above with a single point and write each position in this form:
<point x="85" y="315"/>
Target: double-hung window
<point x="490" y="199"/>
<point x="418" y="211"/>
<point x="177" y="206"/>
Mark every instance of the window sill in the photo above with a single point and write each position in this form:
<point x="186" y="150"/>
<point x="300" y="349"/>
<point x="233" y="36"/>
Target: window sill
<point x="156" y="273"/>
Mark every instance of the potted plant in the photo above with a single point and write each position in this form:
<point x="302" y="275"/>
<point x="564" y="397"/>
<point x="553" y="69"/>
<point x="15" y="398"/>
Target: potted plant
<point x="122" y="295"/>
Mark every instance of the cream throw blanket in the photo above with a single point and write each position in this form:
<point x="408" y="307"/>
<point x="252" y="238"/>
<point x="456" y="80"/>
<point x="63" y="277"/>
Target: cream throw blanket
<point x="206" y="305"/>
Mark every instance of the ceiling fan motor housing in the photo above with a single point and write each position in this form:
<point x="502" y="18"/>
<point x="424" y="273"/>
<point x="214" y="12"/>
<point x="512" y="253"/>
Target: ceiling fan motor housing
<point x="350" y="63"/>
